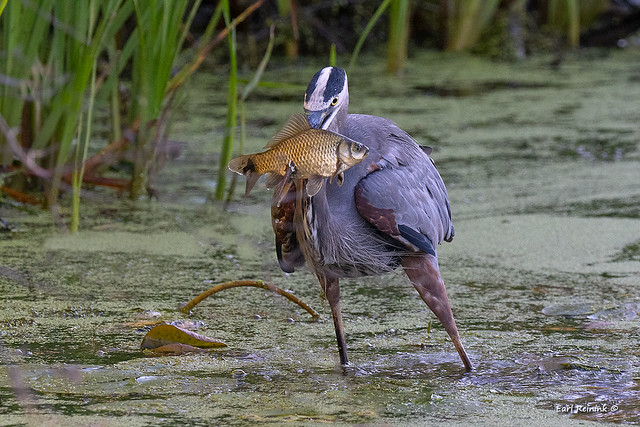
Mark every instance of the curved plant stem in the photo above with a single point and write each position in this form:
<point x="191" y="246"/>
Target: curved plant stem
<point x="372" y="22"/>
<point x="249" y="283"/>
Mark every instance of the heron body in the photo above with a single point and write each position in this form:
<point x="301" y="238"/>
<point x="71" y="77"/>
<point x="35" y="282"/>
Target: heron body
<point x="391" y="210"/>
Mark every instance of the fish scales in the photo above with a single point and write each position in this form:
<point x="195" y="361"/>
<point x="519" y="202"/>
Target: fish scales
<point x="313" y="152"/>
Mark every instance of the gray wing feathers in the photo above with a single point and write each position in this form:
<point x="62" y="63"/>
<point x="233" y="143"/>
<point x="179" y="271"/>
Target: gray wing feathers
<point x="405" y="186"/>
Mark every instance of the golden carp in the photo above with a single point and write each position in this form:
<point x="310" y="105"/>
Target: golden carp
<point x="316" y="154"/>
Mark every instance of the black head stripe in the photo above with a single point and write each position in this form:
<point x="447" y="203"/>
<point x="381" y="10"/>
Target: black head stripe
<point x="312" y="85"/>
<point x="335" y="83"/>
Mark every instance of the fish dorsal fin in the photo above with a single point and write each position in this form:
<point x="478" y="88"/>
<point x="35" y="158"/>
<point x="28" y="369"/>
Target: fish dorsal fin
<point x="314" y="184"/>
<point x="296" y="124"/>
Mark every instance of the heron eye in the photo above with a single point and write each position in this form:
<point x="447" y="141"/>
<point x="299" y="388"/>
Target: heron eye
<point x="334" y="101"/>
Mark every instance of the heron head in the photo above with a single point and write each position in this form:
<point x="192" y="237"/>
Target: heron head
<point x="326" y="98"/>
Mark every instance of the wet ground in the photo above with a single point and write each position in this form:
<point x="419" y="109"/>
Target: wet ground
<point x="543" y="170"/>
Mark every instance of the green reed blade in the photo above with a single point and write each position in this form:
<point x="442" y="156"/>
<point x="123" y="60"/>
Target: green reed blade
<point x="367" y="29"/>
<point x="261" y="67"/>
<point x="332" y="55"/>
<point x="466" y="19"/>
<point x="232" y="101"/>
<point x="398" y="35"/>
<point x="250" y="86"/>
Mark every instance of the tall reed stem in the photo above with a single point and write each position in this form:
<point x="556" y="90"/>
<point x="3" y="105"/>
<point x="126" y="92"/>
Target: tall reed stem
<point x="83" y="144"/>
<point x="78" y="171"/>
<point x="398" y="35"/>
<point x="251" y="85"/>
<point x="465" y="20"/>
<point x="232" y="102"/>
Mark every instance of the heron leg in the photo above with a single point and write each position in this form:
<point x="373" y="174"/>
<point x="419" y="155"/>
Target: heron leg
<point x="331" y="289"/>
<point x="423" y="272"/>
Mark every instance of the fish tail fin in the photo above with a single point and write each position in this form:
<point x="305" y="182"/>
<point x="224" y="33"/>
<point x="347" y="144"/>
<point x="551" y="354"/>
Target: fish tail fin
<point x="244" y="165"/>
<point x="241" y="164"/>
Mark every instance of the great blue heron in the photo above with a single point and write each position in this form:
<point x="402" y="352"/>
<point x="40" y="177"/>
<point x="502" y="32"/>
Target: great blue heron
<point x="392" y="209"/>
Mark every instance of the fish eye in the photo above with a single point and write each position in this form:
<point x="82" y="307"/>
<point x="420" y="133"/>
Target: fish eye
<point x="334" y="101"/>
<point x="356" y="148"/>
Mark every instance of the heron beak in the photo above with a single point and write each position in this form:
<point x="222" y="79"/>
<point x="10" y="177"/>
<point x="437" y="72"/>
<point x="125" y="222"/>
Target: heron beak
<point x="318" y="118"/>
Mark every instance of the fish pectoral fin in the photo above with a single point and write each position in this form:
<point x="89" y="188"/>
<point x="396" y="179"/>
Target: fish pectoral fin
<point x="314" y="184"/>
<point x="339" y="177"/>
<point x="273" y="180"/>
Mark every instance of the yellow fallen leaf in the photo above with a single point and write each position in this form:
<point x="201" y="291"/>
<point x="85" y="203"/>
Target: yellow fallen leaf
<point x="162" y="335"/>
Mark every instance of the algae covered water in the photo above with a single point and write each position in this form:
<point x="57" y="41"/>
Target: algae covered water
<point x="542" y="165"/>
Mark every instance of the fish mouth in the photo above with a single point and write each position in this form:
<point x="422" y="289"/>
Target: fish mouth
<point x="320" y="119"/>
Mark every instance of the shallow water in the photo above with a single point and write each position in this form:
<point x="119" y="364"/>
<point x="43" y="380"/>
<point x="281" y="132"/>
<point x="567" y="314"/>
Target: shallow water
<point x="542" y="167"/>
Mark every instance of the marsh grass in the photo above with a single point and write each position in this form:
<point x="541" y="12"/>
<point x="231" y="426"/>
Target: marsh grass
<point x="333" y="60"/>
<point x="82" y="149"/>
<point x="398" y="40"/>
<point x="397" y="44"/>
<point x="160" y="34"/>
<point x="250" y="86"/>
<point x="58" y="61"/>
<point x="465" y="21"/>
<point x="566" y="14"/>
<point x="50" y="49"/>
<point x="287" y="10"/>
<point x="367" y="29"/>
<point x="569" y="16"/>
<point x="232" y="107"/>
